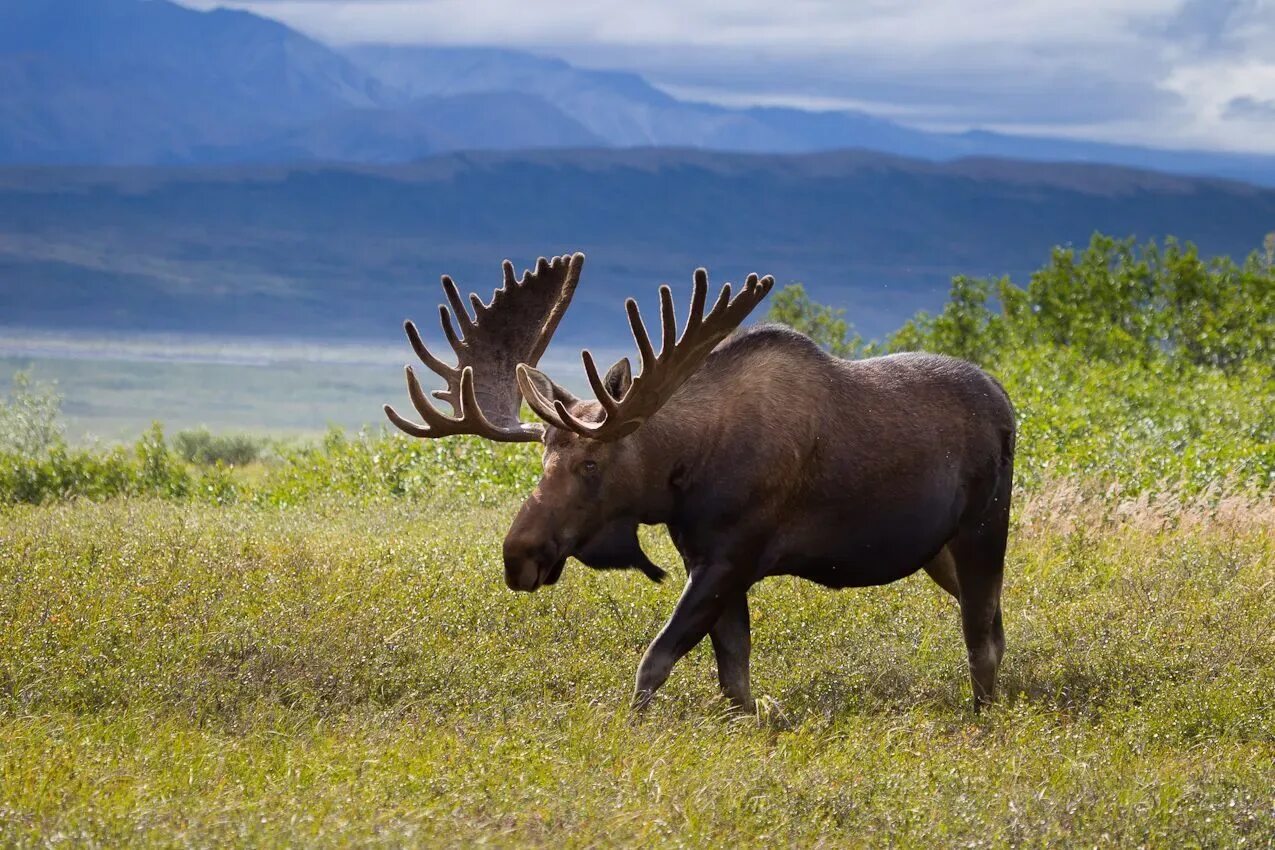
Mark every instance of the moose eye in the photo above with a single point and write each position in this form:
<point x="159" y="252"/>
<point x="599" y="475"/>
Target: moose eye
<point x="589" y="467"/>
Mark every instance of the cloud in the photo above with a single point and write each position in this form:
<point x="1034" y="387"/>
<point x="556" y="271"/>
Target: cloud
<point x="1245" y="108"/>
<point x="1164" y="72"/>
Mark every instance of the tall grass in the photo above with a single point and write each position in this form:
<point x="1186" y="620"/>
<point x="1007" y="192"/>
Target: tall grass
<point x="176" y="674"/>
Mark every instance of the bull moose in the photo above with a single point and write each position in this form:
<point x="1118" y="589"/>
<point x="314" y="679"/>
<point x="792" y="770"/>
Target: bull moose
<point x="762" y="455"/>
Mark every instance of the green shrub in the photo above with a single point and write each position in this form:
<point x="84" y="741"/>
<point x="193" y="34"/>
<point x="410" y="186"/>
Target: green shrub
<point x="827" y="326"/>
<point x="1114" y="301"/>
<point x="203" y="448"/>
<point x="376" y="464"/>
<point x="30" y="418"/>
<point x="150" y="468"/>
<point x="1141" y="426"/>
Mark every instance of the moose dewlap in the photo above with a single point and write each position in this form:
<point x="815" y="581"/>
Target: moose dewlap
<point x="762" y="455"/>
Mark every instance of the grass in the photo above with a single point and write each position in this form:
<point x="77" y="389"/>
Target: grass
<point x="176" y="674"/>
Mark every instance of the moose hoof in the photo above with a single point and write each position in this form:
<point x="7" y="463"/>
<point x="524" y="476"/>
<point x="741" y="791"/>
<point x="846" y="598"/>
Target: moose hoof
<point x="739" y="707"/>
<point x="641" y="700"/>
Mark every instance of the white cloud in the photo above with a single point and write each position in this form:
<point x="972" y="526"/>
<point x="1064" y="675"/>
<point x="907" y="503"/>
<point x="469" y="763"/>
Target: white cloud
<point x="1163" y="72"/>
<point x="1224" y="99"/>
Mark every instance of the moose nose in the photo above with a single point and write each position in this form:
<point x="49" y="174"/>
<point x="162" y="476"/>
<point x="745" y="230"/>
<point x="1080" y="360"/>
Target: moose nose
<point x="521" y="573"/>
<point x="523" y="562"/>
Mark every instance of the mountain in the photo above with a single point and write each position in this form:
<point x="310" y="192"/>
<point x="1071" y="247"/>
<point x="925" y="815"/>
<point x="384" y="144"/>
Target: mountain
<point x="422" y="126"/>
<point x="150" y="82"/>
<point x="348" y="251"/>
<point x="136" y="81"/>
<point x="1249" y="168"/>
<point x="626" y="111"/>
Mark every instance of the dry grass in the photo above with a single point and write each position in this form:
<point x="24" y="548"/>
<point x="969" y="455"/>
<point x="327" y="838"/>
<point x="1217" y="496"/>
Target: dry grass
<point x="178" y="674"/>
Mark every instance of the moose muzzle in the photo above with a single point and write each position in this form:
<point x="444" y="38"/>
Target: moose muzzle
<point x="530" y="565"/>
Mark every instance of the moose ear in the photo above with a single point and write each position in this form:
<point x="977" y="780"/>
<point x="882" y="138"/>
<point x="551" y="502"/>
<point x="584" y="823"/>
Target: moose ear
<point x="619" y="378"/>
<point x="547" y="388"/>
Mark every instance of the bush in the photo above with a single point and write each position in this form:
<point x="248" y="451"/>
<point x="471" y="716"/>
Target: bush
<point x="376" y="465"/>
<point x="1114" y="301"/>
<point x="30" y="418"/>
<point x="150" y="469"/>
<point x="203" y="448"/>
<point x="368" y="465"/>
<point x="1141" y="426"/>
<point x="827" y="326"/>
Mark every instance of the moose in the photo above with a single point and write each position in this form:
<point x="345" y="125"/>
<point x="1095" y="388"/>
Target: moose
<point x="761" y="454"/>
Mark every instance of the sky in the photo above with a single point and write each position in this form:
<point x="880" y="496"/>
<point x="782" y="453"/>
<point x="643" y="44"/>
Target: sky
<point x="1167" y="73"/>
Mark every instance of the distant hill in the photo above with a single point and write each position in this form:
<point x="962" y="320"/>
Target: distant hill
<point x="624" y="110"/>
<point x="347" y="252"/>
<point x="133" y="81"/>
<point x="147" y="82"/>
<point x="423" y="125"/>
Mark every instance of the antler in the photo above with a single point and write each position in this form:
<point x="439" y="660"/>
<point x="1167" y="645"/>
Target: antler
<point x="663" y="373"/>
<point x="514" y="328"/>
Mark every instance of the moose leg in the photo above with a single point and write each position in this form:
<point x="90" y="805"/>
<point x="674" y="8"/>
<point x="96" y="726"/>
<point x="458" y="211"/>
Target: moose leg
<point x="701" y="605"/>
<point x="942" y="568"/>
<point x="732" y="644"/>
<point x="980" y="566"/>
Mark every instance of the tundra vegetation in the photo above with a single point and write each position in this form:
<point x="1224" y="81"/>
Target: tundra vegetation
<point x="316" y="646"/>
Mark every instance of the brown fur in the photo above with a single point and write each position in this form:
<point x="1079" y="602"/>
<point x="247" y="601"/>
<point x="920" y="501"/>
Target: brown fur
<point x="776" y="458"/>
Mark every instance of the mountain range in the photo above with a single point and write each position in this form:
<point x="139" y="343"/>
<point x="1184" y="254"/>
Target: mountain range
<point x="150" y="82"/>
<point x="348" y="251"/>
<point x="166" y="169"/>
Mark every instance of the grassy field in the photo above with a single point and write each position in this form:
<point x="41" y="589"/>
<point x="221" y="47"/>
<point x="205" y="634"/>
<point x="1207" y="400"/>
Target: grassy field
<point x="311" y="644"/>
<point x="176" y="674"/>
